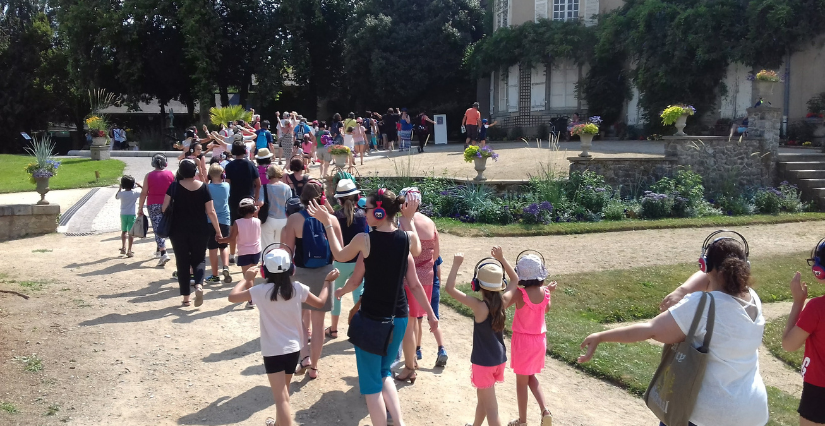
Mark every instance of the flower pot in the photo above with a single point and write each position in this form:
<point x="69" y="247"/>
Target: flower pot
<point x="587" y="143"/>
<point x="764" y="89"/>
<point x="480" y="166"/>
<point x="680" y="125"/>
<point x="42" y="189"/>
<point x="340" y="159"/>
<point x="100" y="141"/>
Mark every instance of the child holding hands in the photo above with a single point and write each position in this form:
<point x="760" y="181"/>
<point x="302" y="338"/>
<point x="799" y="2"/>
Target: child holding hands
<point x="127" y="199"/>
<point x="489" y="355"/>
<point x="807" y="327"/>
<point x="246" y="234"/>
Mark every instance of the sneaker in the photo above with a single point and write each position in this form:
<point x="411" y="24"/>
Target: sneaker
<point x="441" y="358"/>
<point x="175" y="274"/>
<point x="250" y="305"/>
<point x="227" y="278"/>
<point x="390" y="421"/>
<point x="157" y="254"/>
<point x="162" y="262"/>
<point x="213" y="279"/>
<point x="231" y="260"/>
<point x="418" y="353"/>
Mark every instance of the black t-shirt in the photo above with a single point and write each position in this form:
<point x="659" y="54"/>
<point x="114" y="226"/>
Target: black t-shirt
<point x="189" y="214"/>
<point x="297" y="185"/>
<point x="390" y="120"/>
<point x="241" y="174"/>
<point x="384" y="272"/>
<point x="367" y="126"/>
<point x="336" y="127"/>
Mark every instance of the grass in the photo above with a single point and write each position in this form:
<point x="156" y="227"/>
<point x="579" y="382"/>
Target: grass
<point x="32" y="363"/>
<point x="52" y="410"/>
<point x="8" y="407"/>
<point x="773" y="341"/>
<point x="73" y="173"/>
<point x="782" y="408"/>
<point x="455" y="227"/>
<point x="33" y="285"/>
<point x="585" y="302"/>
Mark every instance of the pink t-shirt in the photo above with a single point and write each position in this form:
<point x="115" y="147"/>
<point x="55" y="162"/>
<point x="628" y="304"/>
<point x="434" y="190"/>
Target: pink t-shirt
<point x="158" y="181"/>
<point x="249" y="236"/>
<point x="262" y="173"/>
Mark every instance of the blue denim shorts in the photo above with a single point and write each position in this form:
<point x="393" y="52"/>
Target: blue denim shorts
<point x="436" y="298"/>
<point x="249" y="259"/>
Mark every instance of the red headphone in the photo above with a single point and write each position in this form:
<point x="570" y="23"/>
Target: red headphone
<point x="379" y="212"/>
<point x="323" y="193"/>
<point x="264" y="271"/>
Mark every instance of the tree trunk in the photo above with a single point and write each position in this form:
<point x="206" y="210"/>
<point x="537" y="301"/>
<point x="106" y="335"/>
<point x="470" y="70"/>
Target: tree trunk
<point x="244" y="92"/>
<point x="190" y="110"/>
<point x="224" y="95"/>
<point x="79" y="139"/>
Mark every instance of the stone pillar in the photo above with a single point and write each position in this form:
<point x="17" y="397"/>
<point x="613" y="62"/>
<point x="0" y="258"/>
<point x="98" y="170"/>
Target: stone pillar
<point x="100" y="152"/>
<point x="765" y="123"/>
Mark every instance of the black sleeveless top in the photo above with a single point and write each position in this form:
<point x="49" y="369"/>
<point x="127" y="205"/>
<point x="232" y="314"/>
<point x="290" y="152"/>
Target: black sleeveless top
<point x="384" y="272"/>
<point x="488" y="345"/>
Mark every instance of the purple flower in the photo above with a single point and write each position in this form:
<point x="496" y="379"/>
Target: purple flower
<point x="545" y="205"/>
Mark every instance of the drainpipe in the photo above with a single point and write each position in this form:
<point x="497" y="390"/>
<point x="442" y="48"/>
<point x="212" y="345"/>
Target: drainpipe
<point x="787" y="101"/>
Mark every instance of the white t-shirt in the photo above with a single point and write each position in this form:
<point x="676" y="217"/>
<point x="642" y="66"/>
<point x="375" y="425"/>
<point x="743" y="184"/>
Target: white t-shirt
<point x="127" y="201"/>
<point x="348" y="141"/>
<point x="732" y="391"/>
<point x="281" y="327"/>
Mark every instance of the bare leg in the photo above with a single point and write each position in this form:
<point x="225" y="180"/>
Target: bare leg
<point x="481" y="414"/>
<point x="317" y="345"/>
<point x="439" y="340"/>
<point x="122" y="241"/>
<point x="224" y="257"/>
<point x="131" y="240"/>
<point x="279" y="382"/>
<point x="806" y="422"/>
<point x="333" y="322"/>
<point x="535" y="388"/>
<point x="522" y="382"/>
<point x="213" y="261"/>
<point x="377" y="409"/>
<point x="391" y="401"/>
<point x="232" y="248"/>
<point x="408" y="345"/>
<point x="418" y="332"/>
<point x="487" y="398"/>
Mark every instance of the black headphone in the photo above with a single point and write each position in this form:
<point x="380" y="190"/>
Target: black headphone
<point x="530" y="251"/>
<point x="379" y="212"/>
<point x="265" y="272"/>
<point x="475" y="283"/>
<point x="815" y="262"/>
<point x="704" y="266"/>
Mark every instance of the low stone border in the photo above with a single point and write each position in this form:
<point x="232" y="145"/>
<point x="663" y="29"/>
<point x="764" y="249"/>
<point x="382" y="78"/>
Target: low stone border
<point x="26" y="220"/>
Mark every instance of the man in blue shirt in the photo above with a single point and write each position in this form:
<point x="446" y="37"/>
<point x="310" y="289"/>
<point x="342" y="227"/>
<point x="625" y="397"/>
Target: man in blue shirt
<point x="263" y="138"/>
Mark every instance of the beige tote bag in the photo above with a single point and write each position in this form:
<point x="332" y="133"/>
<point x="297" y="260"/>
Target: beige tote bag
<point x="672" y="393"/>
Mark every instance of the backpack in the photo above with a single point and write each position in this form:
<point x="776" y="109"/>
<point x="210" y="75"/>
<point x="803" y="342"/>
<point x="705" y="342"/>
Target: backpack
<point x="261" y="141"/>
<point x="315" y="252"/>
<point x="300" y="131"/>
<point x="293" y="203"/>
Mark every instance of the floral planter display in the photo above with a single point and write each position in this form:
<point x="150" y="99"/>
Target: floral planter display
<point x="42" y="189"/>
<point x="587" y="143"/>
<point x="480" y="166"/>
<point x="340" y="159"/>
<point x="100" y="141"/>
<point x="680" y="124"/>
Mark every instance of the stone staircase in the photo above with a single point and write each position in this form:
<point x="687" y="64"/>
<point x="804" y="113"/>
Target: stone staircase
<point x="807" y="171"/>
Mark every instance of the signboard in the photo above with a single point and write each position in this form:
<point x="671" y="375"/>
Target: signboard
<point x="440" y="129"/>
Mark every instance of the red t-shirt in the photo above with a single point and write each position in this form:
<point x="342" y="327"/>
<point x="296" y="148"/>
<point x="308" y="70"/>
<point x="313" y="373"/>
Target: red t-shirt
<point x="472" y="117"/>
<point x="812" y="320"/>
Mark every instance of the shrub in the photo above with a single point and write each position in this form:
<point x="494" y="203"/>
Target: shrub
<point x="686" y="189"/>
<point x="656" y="206"/>
<point x="791" y="198"/>
<point x="540" y="213"/>
<point x="735" y="205"/>
<point x="768" y="201"/>
<point x="615" y="210"/>
<point x="515" y="133"/>
<point x="589" y="190"/>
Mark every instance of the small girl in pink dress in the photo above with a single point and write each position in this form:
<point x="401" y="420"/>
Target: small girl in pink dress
<point x="528" y="345"/>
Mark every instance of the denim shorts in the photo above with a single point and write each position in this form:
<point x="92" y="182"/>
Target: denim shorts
<point x="436" y="299"/>
<point x="249" y="259"/>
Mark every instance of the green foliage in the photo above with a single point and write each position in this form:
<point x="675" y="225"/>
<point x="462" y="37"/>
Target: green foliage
<point x="8" y="407"/>
<point x="656" y="206"/>
<point x="816" y="105"/>
<point x="74" y="173"/>
<point x="772" y="339"/>
<point x="673" y="112"/>
<point x="229" y="114"/>
<point x="615" y="210"/>
<point x="31" y="363"/>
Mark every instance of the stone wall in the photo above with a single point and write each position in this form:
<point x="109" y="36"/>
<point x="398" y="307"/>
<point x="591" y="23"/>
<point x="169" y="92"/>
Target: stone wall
<point x="27" y="220"/>
<point x="630" y="175"/>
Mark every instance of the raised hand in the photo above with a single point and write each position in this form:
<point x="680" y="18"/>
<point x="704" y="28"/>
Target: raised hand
<point x="458" y="258"/>
<point x="497" y="253"/>
<point x="333" y="275"/>
<point x="319" y="212"/>
<point x="409" y="208"/>
<point x="799" y="290"/>
<point x="590" y="343"/>
<point x="552" y="286"/>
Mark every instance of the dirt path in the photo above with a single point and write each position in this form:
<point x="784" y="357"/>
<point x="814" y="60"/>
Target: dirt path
<point x="116" y="348"/>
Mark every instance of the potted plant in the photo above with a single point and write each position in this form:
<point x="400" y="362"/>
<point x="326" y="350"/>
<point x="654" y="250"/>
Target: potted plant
<point x="340" y="154"/>
<point x="44" y="165"/>
<point x="479" y="156"/>
<point x="765" y="81"/>
<point x="677" y="115"/>
<point x="98" y="127"/>
<point x="585" y="132"/>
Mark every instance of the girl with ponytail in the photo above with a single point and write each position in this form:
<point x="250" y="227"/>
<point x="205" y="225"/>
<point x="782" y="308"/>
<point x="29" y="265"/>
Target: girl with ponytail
<point x="733" y="367"/>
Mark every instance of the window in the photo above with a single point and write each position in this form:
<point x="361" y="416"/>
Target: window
<point x="492" y="93"/>
<point x="502" y="92"/>
<point x="541" y="9"/>
<point x="565" y="10"/>
<point x="538" y="76"/>
<point x="563" y="79"/>
<point x="512" y="89"/>
<point x="502" y="13"/>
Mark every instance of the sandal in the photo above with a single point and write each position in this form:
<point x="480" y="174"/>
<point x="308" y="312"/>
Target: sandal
<point x="409" y="378"/>
<point x="123" y="251"/>
<point x="546" y="418"/>
<point x="301" y="367"/>
<point x="310" y="373"/>
<point x="329" y="332"/>
<point x="130" y="254"/>
<point x="270" y="422"/>
<point x="185" y="303"/>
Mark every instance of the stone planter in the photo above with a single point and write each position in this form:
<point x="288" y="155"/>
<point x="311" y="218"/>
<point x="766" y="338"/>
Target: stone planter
<point x="100" y="152"/>
<point x="42" y="189"/>
<point x="680" y="124"/>
<point x="100" y="141"/>
<point x="764" y="89"/>
<point x="480" y="166"/>
<point x="340" y="160"/>
<point x="587" y="143"/>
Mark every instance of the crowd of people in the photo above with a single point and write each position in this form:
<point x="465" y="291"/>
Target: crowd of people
<point x="311" y="251"/>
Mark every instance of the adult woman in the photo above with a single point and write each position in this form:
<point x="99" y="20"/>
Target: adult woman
<point x="422" y="129"/>
<point x="155" y="184"/>
<point x="732" y="391"/>
<point x="351" y="221"/>
<point x="297" y="179"/>
<point x="193" y="204"/>
<point x="406" y="131"/>
<point x="277" y="192"/>
<point x="424" y="262"/>
<point x="359" y="139"/>
<point x="293" y="236"/>
<point x="336" y="129"/>
<point x="195" y="153"/>
<point x="385" y="258"/>
<point x="324" y="140"/>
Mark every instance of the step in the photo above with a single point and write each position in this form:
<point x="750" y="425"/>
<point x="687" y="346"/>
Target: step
<point x="805" y="174"/>
<point x="801" y="157"/>
<point x="801" y="165"/>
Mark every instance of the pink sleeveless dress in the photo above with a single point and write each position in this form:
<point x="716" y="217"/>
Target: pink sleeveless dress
<point x="424" y="270"/>
<point x="528" y="345"/>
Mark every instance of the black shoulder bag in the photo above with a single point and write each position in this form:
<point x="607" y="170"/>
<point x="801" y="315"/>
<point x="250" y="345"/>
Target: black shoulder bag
<point x="164" y="228"/>
<point x="263" y="212"/>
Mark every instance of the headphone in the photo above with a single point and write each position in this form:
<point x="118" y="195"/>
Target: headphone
<point x="816" y="262"/>
<point x="530" y="251"/>
<point x="159" y="160"/>
<point x="323" y="192"/>
<point x="265" y="272"/>
<point x="379" y="213"/>
<point x="704" y="266"/>
<point x="475" y="283"/>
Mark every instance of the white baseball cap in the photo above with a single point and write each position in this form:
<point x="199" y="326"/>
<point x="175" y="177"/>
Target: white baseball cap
<point x="277" y="261"/>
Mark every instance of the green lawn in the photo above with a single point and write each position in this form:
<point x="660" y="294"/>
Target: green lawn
<point x="584" y="302"/>
<point x="73" y="173"/>
<point x="773" y="341"/>
<point x="455" y="227"/>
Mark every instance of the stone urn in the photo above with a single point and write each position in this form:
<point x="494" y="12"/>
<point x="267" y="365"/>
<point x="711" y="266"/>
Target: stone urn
<point x="42" y="189"/>
<point x="764" y="89"/>
<point x="100" y="141"/>
<point x="340" y="160"/>
<point x="480" y="166"/>
<point x="680" y="124"/>
<point x="587" y="143"/>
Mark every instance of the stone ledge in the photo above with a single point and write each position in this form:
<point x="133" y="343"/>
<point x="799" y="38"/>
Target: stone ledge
<point x="29" y="209"/>
<point x="639" y="159"/>
<point x="26" y="220"/>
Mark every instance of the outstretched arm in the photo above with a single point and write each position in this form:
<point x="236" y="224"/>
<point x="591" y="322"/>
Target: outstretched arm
<point x="663" y="329"/>
<point x="471" y="302"/>
<point x="699" y="281"/>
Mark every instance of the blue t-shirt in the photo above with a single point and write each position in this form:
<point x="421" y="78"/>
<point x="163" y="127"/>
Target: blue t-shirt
<point x="264" y="138"/>
<point x="301" y="130"/>
<point x="406" y="125"/>
<point x="436" y="265"/>
<point x="220" y="198"/>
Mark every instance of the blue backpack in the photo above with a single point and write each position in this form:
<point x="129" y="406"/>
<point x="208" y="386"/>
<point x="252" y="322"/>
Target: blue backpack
<point x="315" y="253"/>
<point x="261" y="141"/>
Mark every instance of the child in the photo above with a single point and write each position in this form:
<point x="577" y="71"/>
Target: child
<point x="219" y="190"/>
<point x="349" y="143"/>
<point x="246" y="234"/>
<point x="807" y="326"/>
<point x="482" y="132"/>
<point x="489" y="355"/>
<point x="529" y="345"/>
<point x="263" y="158"/>
<point x="280" y="301"/>
<point x="127" y="199"/>
<point x="306" y="147"/>
<point x="441" y="357"/>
